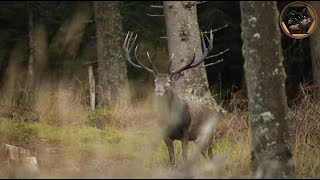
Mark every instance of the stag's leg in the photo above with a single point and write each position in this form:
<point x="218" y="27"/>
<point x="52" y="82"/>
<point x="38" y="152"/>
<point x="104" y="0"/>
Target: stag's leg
<point x="184" y="141"/>
<point x="202" y="149"/>
<point x="170" y="147"/>
<point x="203" y="152"/>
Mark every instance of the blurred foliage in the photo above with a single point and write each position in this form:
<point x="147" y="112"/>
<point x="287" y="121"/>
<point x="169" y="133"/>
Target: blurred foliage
<point x="224" y="77"/>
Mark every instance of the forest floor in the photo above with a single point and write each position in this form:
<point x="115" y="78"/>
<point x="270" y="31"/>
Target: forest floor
<point x="133" y="148"/>
<point x="133" y="152"/>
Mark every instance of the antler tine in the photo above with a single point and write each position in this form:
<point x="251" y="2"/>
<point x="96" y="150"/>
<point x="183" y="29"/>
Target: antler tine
<point x="211" y="40"/>
<point x="202" y="40"/>
<point x="206" y="50"/>
<point x="143" y="66"/>
<point x="127" y="50"/>
<point x="125" y="41"/>
<point x="127" y="47"/>
<point x="134" y="40"/>
<point x="155" y="69"/>
<point x="170" y="62"/>
<point x="185" y="67"/>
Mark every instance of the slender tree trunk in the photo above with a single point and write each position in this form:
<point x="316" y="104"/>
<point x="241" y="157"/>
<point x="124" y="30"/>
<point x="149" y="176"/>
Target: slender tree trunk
<point x="14" y="73"/>
<point x="112" y="71"/>
<point x="265" y="77"/>
<point x="66" y="42"/>
<point x="92" y="85"/>
<point x="42" y="81"/>
<point x="63" y="50"/>
<point x="314" y="48"/>
<point x="41" y="64"/>
<point x="183" y="36"/>
<point x="28" y="96"/>
<point x="31" y="48"/>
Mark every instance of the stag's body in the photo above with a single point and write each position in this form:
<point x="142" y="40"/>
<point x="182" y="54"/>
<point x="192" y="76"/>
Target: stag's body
<point x="184" y="120"/>
<point x="180" y="119"/>
<point x="177" y="114"/>
<point x="300" y="26"/>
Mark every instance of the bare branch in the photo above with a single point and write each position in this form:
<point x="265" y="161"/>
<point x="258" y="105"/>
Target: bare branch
<point x="220" y="53"/>
<point x="89" y="21"/>
<point x="218" y="29"/>
<point x="201" y="2"/>
<point x="155" y="6"/>
<point x="210" y="64"/>
<point x="163" y="37"/>
<point x="90" y="63"/>
<point x="155" y="15"/>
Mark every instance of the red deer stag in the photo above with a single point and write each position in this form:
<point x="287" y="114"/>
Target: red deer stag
<point x="180" y="119"/>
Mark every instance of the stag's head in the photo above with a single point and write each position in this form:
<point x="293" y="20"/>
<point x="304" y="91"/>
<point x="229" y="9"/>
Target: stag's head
<point x="305" y="21"/>
<point x="163" y="83"/>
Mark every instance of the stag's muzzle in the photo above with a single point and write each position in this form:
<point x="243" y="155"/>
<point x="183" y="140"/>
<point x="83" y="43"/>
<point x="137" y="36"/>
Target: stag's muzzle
<point x="159" y="91"/>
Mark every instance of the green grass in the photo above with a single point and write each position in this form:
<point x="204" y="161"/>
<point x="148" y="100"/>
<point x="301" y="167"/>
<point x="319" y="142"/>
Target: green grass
<point x="106" y="146"/>
<point x="130" y="152"/>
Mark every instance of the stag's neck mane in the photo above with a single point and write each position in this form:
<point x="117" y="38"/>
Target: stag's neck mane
<point x="170" y="100"/>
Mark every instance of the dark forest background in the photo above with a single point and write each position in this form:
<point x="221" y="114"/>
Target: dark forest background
<point x="224" y="78"/>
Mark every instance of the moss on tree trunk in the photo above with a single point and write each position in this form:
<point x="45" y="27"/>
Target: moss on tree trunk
<point x="265" y="77"/>
<point x="112" y="72"/>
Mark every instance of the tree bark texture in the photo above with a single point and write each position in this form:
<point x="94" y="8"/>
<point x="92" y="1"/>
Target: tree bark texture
<point x="265" y="77"/>
<point x="183" y="36"/>
<point x="31" y="49"/>
<point x="112" y="71"/>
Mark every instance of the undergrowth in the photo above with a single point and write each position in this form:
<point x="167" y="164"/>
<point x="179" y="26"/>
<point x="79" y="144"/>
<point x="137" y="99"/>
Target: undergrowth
<point x="104" y="145"/>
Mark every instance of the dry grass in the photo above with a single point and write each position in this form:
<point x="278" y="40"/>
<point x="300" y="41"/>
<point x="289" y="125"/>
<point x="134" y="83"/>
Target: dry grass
<point x="70" y="141"/>
<point x="304" y="125"/>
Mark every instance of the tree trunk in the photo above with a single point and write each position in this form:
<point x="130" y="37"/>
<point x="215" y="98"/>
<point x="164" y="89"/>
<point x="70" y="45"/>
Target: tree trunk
<point x="41" y="64"/>
<point x="66" y="42"/>
<point x="13" y="77"/>
<point x="314" y="48"/>
<point x="40" y="53"/>
<point x="31" y="49"/>
<point x="265" y="77"/>
<point x="183" y="36"/>
<point x="112" y="71"/>
<point x="63" y="50"/>
<point x="92" y="86"/>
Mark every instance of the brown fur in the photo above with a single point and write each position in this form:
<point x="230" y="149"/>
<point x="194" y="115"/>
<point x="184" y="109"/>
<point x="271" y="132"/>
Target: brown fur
<point x="302" y="25"/>
<point x="183" y="120"/>
<point x="200" y="113"/>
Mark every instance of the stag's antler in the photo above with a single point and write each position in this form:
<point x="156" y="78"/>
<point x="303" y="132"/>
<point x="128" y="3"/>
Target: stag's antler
<point x="127" y="49"/>
<point x="191" y="63"/>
